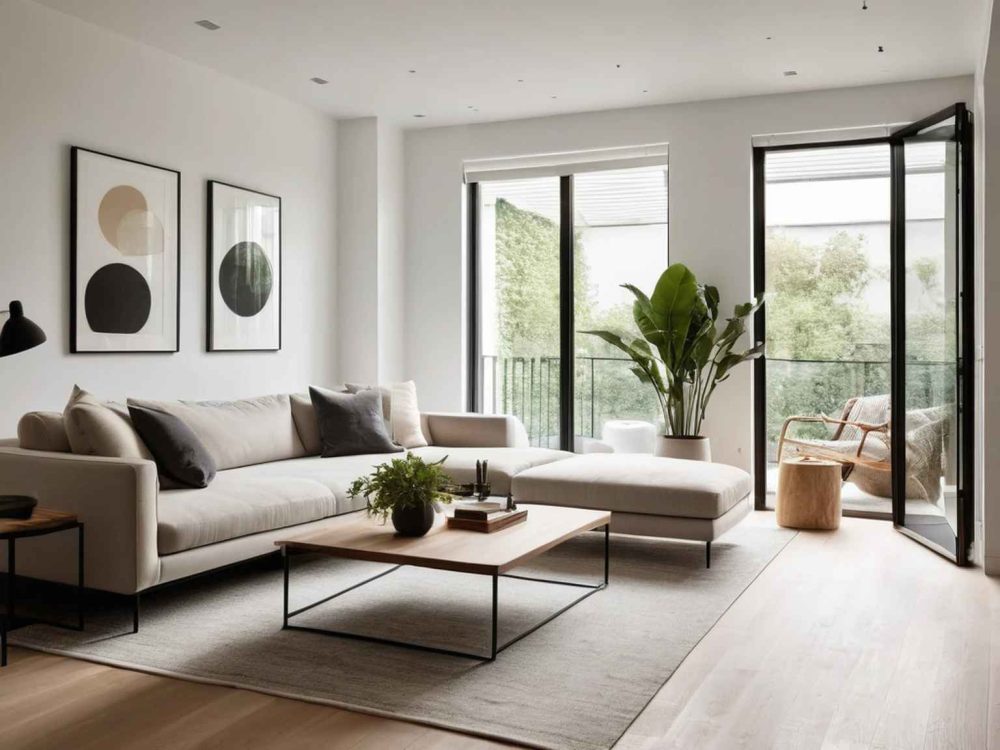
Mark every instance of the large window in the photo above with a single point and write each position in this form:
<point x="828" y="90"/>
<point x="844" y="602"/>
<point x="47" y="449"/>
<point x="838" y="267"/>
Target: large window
<point x="549" y="257"/>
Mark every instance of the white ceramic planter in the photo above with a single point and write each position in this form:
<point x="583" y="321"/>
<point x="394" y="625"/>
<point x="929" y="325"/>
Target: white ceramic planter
<point x="691" y="448"/>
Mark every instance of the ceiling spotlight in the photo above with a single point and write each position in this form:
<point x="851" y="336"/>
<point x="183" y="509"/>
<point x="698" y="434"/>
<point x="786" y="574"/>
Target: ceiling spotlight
<point x="881" y="48"/>
<point x="320" y="81"/>
<point x="864" y="4"/>
<point x="413" y="71"/>
<point x="617" y="66"/>
<point x="520" y="80"/>
<point x="555" y="97"/>
<point x="206" y="24"/>
<point x="418" y="116"/>
<point x="645" y="91"/>
<point x="768" y="38"/>
<point x="790" y="73"/>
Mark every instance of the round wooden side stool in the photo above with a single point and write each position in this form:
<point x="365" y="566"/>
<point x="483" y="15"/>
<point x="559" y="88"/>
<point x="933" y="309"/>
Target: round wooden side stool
<point x="808" y="493"/>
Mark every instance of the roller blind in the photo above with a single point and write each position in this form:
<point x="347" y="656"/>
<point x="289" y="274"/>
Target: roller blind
<point x="825" y="136"/>
<point x="565" y="162"/>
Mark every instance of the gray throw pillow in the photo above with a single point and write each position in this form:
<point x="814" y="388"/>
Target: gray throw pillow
<point x="181" y="458"/>
<point x="351" y="424"/>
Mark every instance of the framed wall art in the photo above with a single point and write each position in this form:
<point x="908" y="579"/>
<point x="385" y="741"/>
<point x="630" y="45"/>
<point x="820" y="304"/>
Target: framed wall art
<point x="244" y="269"/>
<point x="124" y="254"/>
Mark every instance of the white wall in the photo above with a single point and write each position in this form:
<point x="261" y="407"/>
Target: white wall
<point x="988" y="275"/>
<point x="371" y="270"/>
<point x="63" y="83"/>
<point x="357" y="246"/>
<point x="710" y="209"/>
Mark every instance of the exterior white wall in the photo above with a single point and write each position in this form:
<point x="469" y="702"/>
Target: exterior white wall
<point x="710" y="209"/>
<point x="65" y="82"/>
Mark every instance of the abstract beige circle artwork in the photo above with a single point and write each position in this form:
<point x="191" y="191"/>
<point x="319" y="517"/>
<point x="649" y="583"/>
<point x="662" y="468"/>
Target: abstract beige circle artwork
<point x="128" y="224"/>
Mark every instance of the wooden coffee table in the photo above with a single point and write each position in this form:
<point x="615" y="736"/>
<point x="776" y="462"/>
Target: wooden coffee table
<point x="357" y="537"/>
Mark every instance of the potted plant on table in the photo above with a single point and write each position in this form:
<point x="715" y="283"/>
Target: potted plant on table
<point x="682" y="353"/>
<point x="405" y="489"/>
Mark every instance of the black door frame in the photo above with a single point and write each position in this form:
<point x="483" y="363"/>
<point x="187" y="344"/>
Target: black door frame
<point x="759" y="330"/>
<point x="965" y="331"/>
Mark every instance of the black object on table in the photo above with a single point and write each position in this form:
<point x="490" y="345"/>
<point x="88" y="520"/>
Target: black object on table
<point x="42" y="521"/>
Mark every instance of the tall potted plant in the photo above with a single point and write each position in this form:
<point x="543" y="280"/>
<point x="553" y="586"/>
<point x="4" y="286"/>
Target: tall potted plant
<point x="682" y="352"/>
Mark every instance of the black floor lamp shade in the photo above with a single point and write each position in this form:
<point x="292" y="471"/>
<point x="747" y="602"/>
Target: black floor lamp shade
<point x="19" y="333"/>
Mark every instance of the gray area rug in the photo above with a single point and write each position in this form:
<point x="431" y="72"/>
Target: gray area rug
<point x="576" y="683"/>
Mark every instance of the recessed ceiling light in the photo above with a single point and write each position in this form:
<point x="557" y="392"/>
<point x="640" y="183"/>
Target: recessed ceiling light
<point x="645" y="91"/>
<point x="520" y="80"/>
<point x="881" y="48"/>
<point x="768" y="38"/>
<point x="555" y="97"/>
<point x="420" y="115"/>
<point x="413" y="71"/>
<point x="320" y="81"/>
<point x="206" y="24"/>
<point x="618" y="65"/>
<point x="790" y="73"/>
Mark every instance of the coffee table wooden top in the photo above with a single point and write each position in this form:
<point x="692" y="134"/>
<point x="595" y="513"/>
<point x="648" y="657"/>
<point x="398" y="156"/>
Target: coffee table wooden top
<point x="358" y="537"/>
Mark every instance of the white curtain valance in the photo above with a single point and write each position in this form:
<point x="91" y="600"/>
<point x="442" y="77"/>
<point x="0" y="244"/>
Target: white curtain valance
<point x="565" y="162"/>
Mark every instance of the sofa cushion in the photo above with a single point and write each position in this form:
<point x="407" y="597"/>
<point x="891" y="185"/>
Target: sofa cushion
<point x="351" y="423"/>
<point x="504" y="463"/>
<point x="96" y="428"/>
<point x="43" y="431"/>
<point x="239" y="433"/>
<point x="305" y="421"/>
<point x="632" y="483"/>
<point x="336" y="474"/>
<point x="404" y="417"/>
<point x="236" y="505"/>
<point x="181" y="459"/>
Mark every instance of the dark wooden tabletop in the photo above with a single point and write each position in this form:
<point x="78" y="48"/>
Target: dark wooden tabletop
<point x="42" y="521"/>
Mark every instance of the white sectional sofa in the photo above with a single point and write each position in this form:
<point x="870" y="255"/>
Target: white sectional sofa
<point x="140" y="536"/>
<point x="271" y="477"/>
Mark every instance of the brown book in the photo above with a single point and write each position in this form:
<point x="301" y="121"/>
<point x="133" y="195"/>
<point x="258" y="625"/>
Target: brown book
<point x="495" y="522"/>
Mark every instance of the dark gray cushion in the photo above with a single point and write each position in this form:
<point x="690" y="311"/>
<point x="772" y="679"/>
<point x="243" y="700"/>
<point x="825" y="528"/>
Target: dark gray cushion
<point x="351" y="424"/>
<point x="181" y="458"/>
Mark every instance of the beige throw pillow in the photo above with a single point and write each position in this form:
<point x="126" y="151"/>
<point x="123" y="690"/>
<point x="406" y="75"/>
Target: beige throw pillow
<point x="43" y="431"/>
<point x="95" y="428"/>
<point x="404" y="416"/>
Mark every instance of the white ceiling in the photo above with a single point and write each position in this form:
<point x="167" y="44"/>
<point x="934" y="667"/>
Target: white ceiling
<point x="482" y="60"/>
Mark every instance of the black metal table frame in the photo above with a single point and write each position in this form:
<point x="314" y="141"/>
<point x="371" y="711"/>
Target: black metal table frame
<point x="10" y="620"/>
<point x="494" y="648"/>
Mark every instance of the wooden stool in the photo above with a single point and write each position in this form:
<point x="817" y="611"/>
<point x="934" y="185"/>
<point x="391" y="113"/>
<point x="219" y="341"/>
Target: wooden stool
<point x="808" y="493"/>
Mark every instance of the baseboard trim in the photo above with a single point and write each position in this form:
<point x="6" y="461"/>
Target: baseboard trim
<point x="991" y="564"/>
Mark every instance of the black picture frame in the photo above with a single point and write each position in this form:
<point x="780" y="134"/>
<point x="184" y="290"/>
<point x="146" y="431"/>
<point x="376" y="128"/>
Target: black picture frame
<point x="75" y="344"/>
<point x="211" y="307"/>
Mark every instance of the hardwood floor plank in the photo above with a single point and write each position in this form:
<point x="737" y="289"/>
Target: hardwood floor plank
<point x="851" y="639"/>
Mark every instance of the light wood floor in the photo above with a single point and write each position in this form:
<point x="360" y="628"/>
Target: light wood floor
<point x="852" y="639"/>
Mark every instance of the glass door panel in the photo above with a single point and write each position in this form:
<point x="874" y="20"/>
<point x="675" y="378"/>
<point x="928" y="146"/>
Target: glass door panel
<point x="826" y="258"/>
<point x="620" y="236"/>
<point x="519" y="302"/>
<point x="928" y="434"/>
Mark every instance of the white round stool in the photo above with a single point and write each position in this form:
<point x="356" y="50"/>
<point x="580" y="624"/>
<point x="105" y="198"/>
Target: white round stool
<point x="629" y="435"/>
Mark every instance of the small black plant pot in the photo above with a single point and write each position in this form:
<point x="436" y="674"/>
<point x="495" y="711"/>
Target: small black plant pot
<point x="17" y="506"/>
<point x="413" y="520"/>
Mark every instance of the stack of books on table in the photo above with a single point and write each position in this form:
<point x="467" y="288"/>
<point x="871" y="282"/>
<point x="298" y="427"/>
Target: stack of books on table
<point x="486" y="516"/>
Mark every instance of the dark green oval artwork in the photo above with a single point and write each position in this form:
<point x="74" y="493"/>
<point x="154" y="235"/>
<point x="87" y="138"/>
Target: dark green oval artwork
<point x="245" y="279"/>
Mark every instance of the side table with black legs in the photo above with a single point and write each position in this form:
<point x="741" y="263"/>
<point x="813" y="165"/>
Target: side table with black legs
<point x="42" y="521"/>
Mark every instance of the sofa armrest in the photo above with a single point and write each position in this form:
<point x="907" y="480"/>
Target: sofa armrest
<point x="474" y="430"/>
<point x="115" y="498"/>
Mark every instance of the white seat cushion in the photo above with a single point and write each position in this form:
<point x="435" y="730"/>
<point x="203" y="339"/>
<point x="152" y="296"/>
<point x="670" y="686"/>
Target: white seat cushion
<point x="504" y="463"/>
<point x="636" y="484"/>
<point x="236" y="505"/>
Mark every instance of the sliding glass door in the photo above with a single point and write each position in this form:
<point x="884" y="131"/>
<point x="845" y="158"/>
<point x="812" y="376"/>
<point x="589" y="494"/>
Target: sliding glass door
<point x="932" y="287"/>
